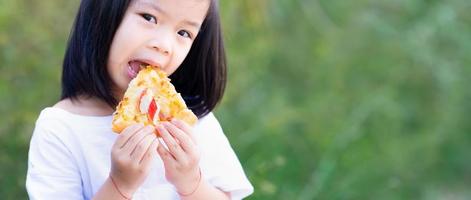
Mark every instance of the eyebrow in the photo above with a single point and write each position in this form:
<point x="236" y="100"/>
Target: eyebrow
<point x="157" y="8"/>
<point x="191" y="23"/>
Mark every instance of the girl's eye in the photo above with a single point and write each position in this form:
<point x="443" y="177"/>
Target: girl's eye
<point x="149" y="18"/>
<point x="184" y="33"/>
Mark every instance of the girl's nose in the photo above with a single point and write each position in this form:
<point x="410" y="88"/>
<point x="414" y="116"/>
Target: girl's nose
<point x="161" y="44"/>
<point x="160" y="49"/>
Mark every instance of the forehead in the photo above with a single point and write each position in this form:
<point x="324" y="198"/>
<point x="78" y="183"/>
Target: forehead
<point x="194" y="10"/>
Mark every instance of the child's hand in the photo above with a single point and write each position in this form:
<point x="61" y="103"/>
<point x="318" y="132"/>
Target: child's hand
<point x="181" y="160"/>
<point x="131" y="157"/>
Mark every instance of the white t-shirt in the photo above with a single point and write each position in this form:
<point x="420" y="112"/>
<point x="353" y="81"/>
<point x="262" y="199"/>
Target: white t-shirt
<point x="69" y="158"/>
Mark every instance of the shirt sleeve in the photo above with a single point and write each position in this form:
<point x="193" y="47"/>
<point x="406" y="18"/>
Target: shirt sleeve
<point x="52" y="170"/>
<point x="219" y="163"/>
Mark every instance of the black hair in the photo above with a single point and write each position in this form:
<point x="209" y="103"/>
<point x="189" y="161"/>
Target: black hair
<point x="200" y="79"/>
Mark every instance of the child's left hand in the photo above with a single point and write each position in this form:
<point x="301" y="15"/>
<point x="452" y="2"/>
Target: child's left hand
<point x="181" y="160"/>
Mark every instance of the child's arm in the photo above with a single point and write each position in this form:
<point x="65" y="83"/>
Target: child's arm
<point x="203" y="191"/>
<point x="131" y="157"/>
<point x="206" y="191"/>
<point x="109" y="191"/>
<point x="181" y="162"/>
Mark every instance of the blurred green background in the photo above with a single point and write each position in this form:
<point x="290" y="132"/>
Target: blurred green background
<point x="327" y="99"/>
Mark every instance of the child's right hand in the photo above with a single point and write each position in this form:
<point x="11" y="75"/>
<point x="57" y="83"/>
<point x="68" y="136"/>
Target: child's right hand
<point x="131" y="157"/>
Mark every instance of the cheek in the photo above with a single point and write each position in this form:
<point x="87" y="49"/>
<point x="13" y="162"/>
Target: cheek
<point x="113" y="64"/>
<point x="179" y="58"/>
<point x="115" y="52"/>
<point x="124" y="41"/>
<point x="121" y="48"/>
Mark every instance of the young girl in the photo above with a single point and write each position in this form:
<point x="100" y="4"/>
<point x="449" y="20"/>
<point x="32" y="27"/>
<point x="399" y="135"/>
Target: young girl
<point x="73" y="152"/>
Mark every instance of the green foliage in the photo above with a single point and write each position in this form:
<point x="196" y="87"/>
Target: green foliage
<point x="325" y="100"/>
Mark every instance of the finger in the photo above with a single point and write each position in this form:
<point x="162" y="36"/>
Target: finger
<point x="172" y="145"/>
<point x="141" y="147"/>
<point x="185" y="127"/>
<point x="150" y="153"/>
<point x="127" y="133"/>
<point x="164" y="153"/>
<point x="185" y="141"/>
<point x="136" y="138"/>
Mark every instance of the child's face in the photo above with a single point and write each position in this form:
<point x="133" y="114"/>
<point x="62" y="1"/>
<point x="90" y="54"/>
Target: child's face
<point x="155" y="32"/>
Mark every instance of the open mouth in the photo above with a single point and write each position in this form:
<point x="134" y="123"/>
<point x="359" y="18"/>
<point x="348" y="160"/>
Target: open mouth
<point x="134" y="67"/>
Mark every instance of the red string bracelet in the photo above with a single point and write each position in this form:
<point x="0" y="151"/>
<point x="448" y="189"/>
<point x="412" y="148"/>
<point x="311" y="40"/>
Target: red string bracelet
<point x="194" y="190"/>
<point x="117" y="188"/>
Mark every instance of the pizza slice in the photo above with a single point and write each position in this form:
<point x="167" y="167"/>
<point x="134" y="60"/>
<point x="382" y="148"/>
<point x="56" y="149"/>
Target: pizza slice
<point x="150" y="99"/>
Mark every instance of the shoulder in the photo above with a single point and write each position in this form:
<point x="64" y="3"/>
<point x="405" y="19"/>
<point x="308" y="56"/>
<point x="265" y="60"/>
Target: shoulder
<point x="86" y="106"/>
<point x="51" y="133"/>
<point x="51" y="117"/>
<point x="65" y="119"/>
<point x="209" y="125"/>
<point x="210" y="134"/>
<point x="208" y="121"/>
<point x="58" y="129"/>
<point x="52" y="122"/>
